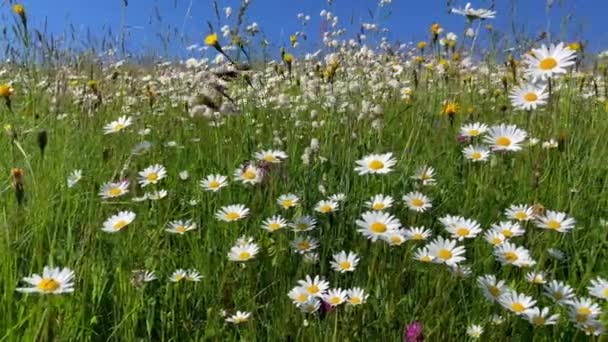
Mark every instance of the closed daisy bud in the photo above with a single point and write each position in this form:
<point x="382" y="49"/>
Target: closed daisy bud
<point x="17" y="176"/>
<point x="43" y="139"/>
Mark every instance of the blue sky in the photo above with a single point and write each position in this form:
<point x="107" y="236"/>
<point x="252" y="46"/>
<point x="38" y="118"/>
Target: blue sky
<point x="408" y="20"/>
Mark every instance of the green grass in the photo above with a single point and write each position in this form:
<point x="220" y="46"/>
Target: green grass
<point x="62" y="227"/>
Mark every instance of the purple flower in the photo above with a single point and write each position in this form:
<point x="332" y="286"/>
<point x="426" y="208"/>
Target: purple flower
<point x="462" y="139"/>
<point x="413" y="332"/>
<point x="326" y="308"/>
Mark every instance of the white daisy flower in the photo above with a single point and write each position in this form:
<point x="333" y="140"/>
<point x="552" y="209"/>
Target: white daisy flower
<point x="180" y="227"/>
<point x="520" y="212"/>
<point x="232" y="213"/>
<point x="518" y="303"/>
<point x="315" y="287"/>
<point x="152" y="175"/>
<point x="335" y="297"/>
<point x="54" y="280"/>
<point x="540" y="317"/>
<point x="557" y="221"/>
<point x="274" y="223"/>
<point x="249" y="174"/>
<point x="243" y="252"/>
<point x="445" y="251"/>
<point x="344" y="262"/>
<point x="510" y="254"/>
<point x="417" y="201"/>
<point x="118" y="222"/>
<point x="356" y="296"/>
<point x="180" y="275"/>
<point x="375" y="164"/>
<point x="528" y="96"/>
<point x="239" y="317"/>
<point x="214" y="183"/>
<point x="326" y="206"/>
<point x="118" y="125"/>
<point x="271" y="156"/>
<point x="505" y="138"/>
<point x="304" y="245"/>
<point x="113" y="190"/>
<point x="599" y="288"/>
<point x="303" y="224"/>
<point x="473" y="130"/>
<point x="375" y="225"/>
<point x="74" y="178"/>
<point x="476" y="153"/>
<point x="380" y="202"/>
<point x="558" y="291"/>
<point x="546" y="62"/>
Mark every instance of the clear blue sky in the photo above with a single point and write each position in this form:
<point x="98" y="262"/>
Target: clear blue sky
<point x="408" y="19"/>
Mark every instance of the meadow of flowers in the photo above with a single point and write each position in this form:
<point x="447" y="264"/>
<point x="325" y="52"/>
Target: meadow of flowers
<point x="442" y="190"/>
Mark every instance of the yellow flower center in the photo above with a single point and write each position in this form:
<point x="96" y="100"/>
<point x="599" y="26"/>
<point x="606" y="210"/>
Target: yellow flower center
<point x="304" y="245"/>
<point x="288" y="203"/>
<point x="274" y="226"/>
<point x="378" y="227"/>
<point x="511" y="256"/>
<point x="547" y="64"/>
<point x="302" y="297"/>
<point x="538" y="320"/>
<point x="326" y="208"/>
<point x="313" y="289"/>
<point x="426" y="258"/>
<point x="521" y="215"/>
<point x="270" y="158"/>
<point x="244" y="256"/>
<point x="416" y="202"/>
<point x="496" y="241"/>
<point x="152" y="177"/>
<point x="473" y="132"/>
<point x="444" y="254"/>
<point x="355" y="300"/>
<point x="531" y="97"/>
<point x="249" y="175"/>
<point x="518" y="307"/>
<point x="214" y="184"/>
<point x="417" y="236"/>
<point x="476" y="155"/>
<point x="231" y="216"/>
<point x="606" y="292"/>
<point x="462" y="232"/>
<point x="376" y="165"/>
<point x="48" y="285"/>
<point x="553" y="224"/>
<point x="378" y="206"/>
<point x="119" y="126"/>
<point x="345" y="265"/>
<point x="115" y="192"/>
<point x="120" y="224"/>
<point x="507" y="233"/>
<point x="558" y="295"/>
<point x="494" y="291"/>
<point x="396" y="239"/>
<point x="584" y="311"/>
<point x="503" y="141"/>
<point x="181" y="229"/>
<point x="335" y="300"/>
